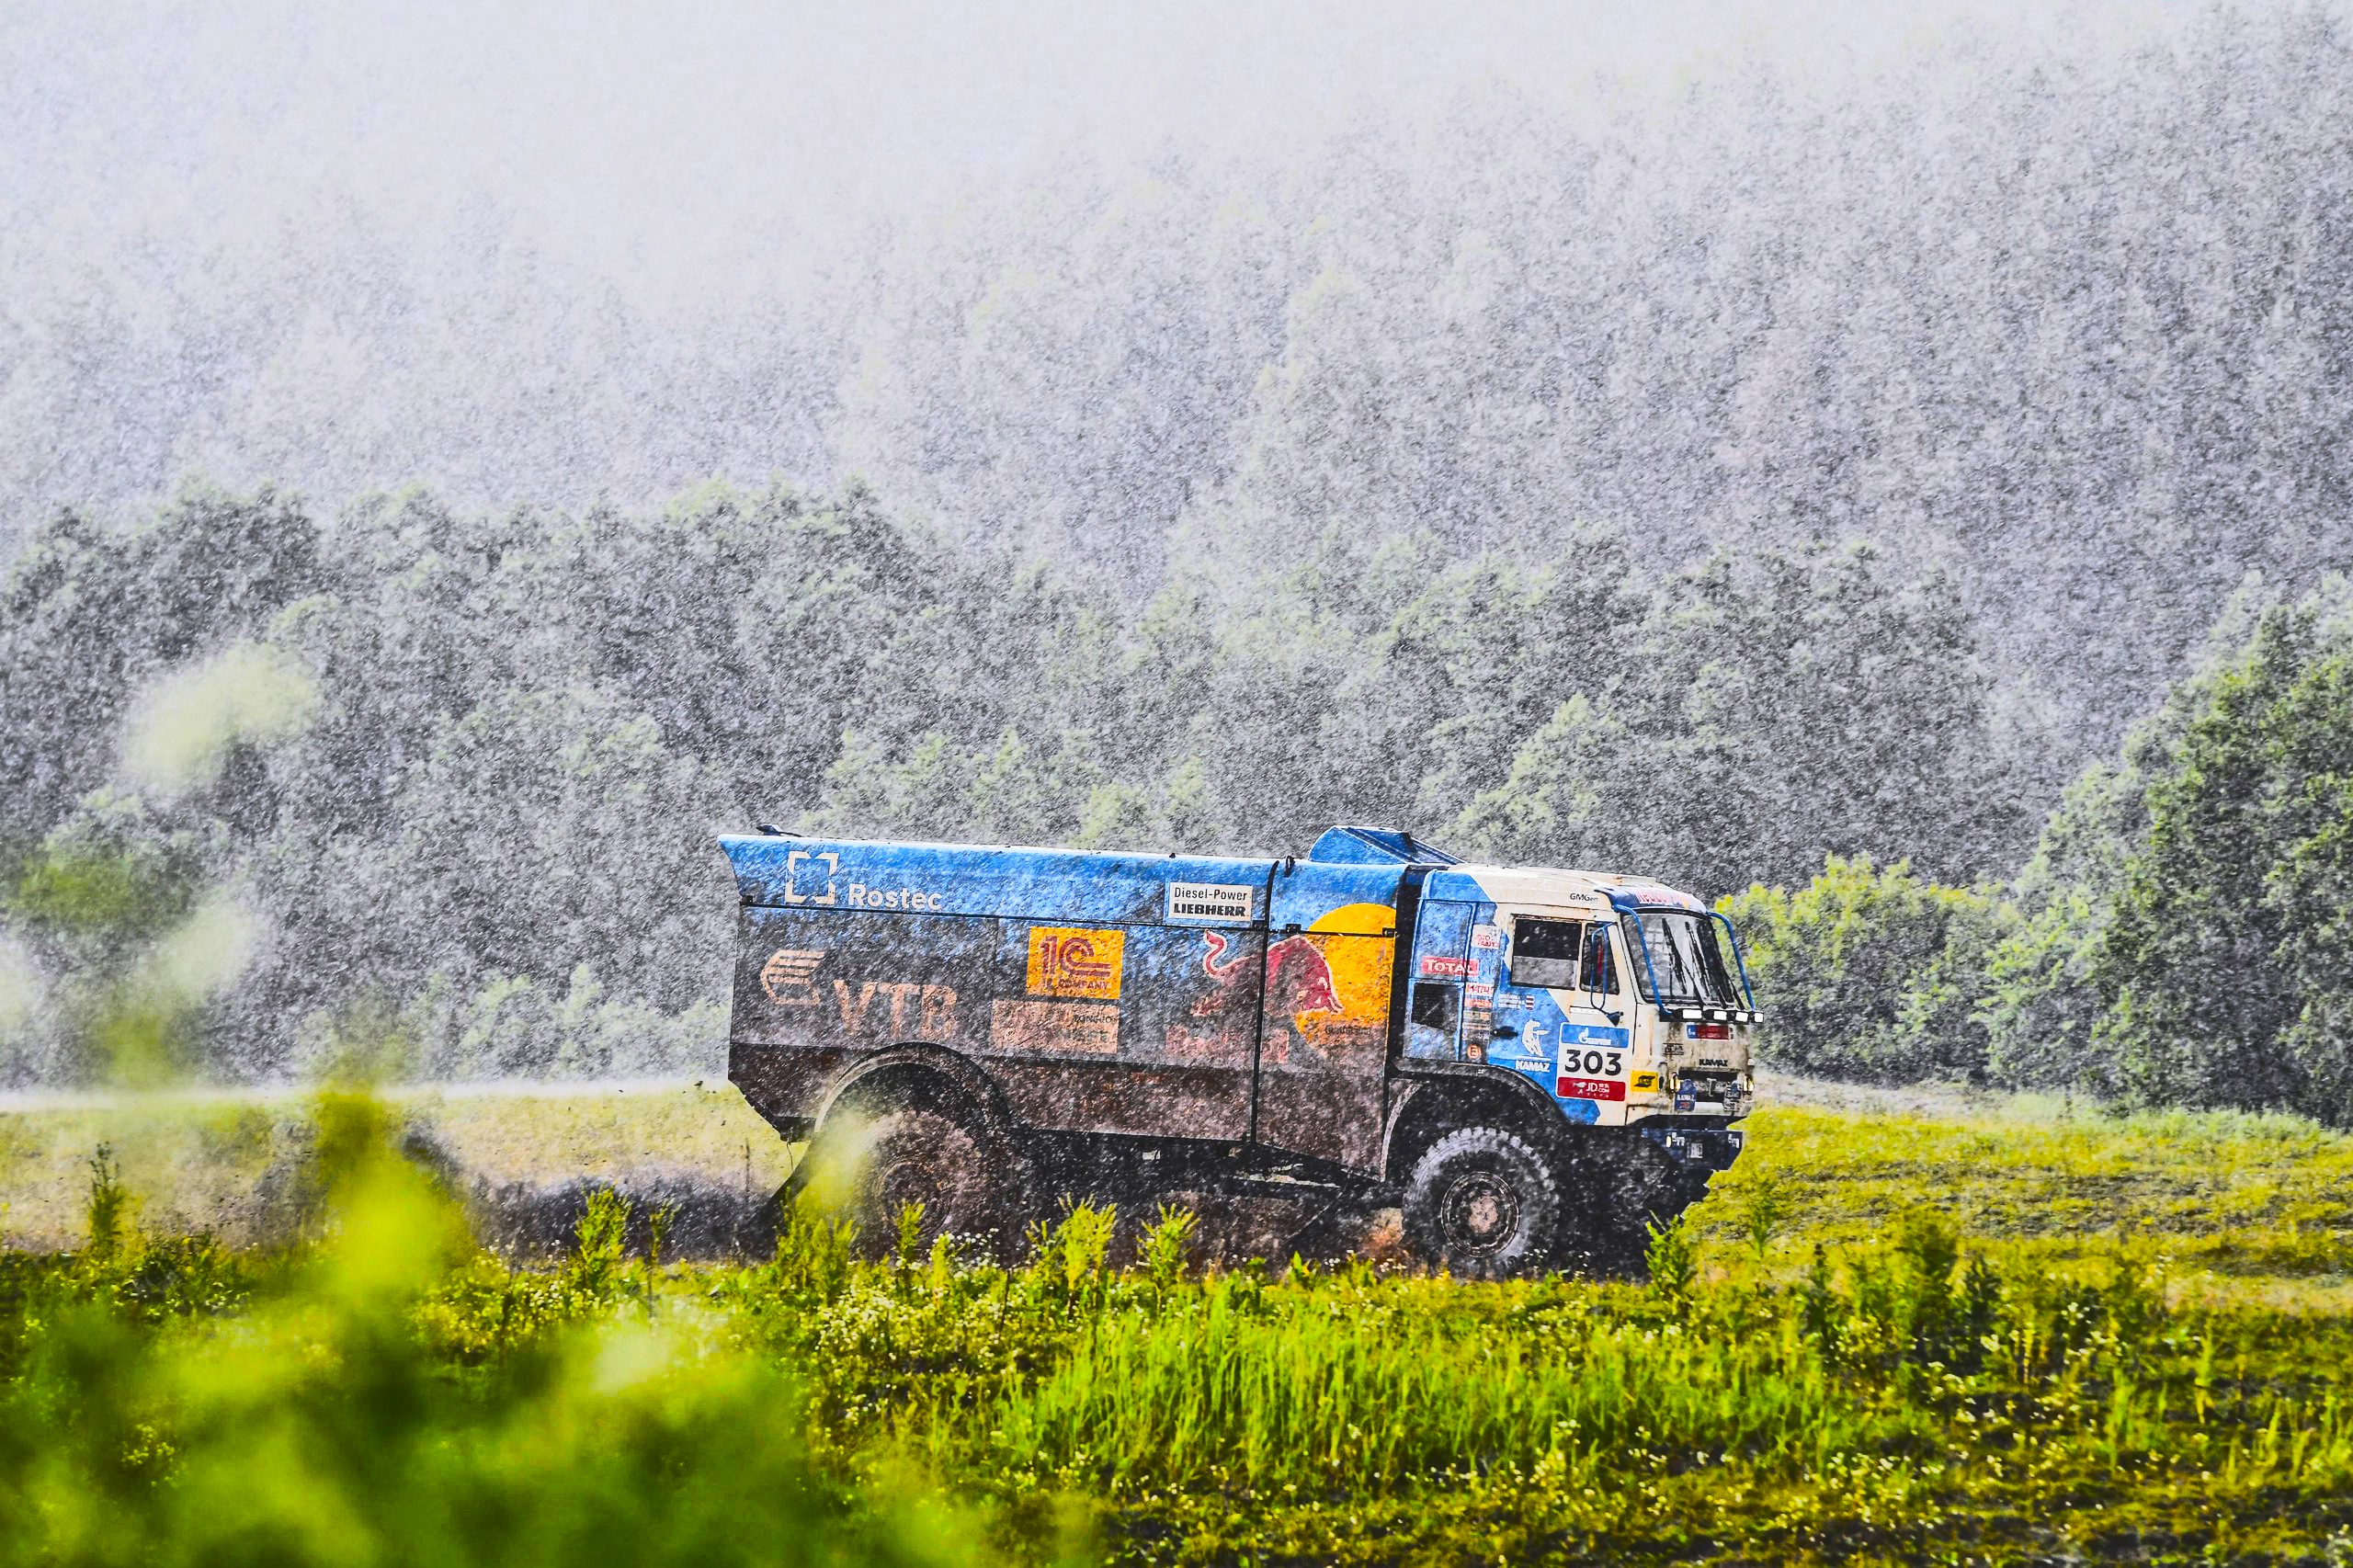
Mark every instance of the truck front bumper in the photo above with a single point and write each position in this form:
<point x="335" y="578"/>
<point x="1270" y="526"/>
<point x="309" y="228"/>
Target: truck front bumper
<point x="1698" y="1148"/>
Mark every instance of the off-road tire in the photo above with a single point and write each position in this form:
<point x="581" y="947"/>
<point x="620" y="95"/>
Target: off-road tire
<point x="1482" y="1204"/>
<point x="866" y="1168"/>
<point x="1627" y="1185"/>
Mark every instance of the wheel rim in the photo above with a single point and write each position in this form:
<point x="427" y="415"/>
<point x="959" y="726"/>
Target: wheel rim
<point x="909" y="1181"/>
<point x="1480" y="1213"/>
<point x="948" y="1183"/>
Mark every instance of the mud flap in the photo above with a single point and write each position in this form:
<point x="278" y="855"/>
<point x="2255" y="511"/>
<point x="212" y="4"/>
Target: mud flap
<point x="1630" y="1184"/>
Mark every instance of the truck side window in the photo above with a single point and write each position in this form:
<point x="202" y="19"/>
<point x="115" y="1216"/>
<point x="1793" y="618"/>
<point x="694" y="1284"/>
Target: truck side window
<point x="1431" y="1027"/>
<point x="1544" y="952"/>
<point x="1598" y="974"/>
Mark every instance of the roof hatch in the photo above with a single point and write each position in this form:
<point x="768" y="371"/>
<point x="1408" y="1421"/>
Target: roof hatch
<point x="1377" y="846"/>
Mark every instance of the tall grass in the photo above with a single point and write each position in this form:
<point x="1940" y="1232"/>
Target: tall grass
<point x="1784" y="1386"/>
<point x="165" y="1402"/>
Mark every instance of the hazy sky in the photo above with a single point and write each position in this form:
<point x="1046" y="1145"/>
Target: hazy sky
<point x="636" y="139"/>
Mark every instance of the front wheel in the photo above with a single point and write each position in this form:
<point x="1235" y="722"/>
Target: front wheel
<point x="1482" y="1203"/>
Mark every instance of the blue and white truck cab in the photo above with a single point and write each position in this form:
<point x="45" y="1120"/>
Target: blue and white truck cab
<point x="1533" y="1065"/>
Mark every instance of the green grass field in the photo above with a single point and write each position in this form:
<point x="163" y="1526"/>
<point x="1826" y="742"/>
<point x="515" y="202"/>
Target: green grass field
<point x="1907" y="1327"/>
<point x="218" y="1163"/>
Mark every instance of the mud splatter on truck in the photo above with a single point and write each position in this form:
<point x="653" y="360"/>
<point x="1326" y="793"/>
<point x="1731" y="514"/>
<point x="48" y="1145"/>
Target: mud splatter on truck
<point x="1531" y="1065"/>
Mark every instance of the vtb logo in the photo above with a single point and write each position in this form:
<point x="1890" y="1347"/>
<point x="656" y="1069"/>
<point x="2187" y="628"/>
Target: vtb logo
<point x="1068" y="962"/>
<point x="787" y="976"/>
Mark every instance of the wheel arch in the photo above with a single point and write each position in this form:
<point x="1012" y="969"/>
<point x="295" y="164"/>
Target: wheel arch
<point x="921" y="1076"/>
<point x="1435" y="1105"/>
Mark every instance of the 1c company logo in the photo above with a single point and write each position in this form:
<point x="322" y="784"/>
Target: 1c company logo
<point x="1068" y="962"/>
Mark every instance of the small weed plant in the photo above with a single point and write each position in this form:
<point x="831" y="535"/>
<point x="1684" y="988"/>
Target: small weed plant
<point x="1164" y="1249"/>
<point x="109" y="1206"/>
<point x="1672" y="1258"/>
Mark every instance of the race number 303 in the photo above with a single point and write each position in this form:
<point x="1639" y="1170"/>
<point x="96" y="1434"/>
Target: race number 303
<point x="1592" y="1063"/>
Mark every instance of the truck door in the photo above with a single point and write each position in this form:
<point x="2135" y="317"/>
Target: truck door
<point x="1435" y="1027"/>
<point x="1560" y="1013"/>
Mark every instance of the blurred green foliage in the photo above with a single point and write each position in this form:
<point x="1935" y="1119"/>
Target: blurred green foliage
<point x="387" y="1391"/>
<point x="387" y="1394"/>
<point x="82" y="891"/>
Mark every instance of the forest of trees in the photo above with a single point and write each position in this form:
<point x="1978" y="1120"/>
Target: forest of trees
<point x="2064" y="311"/>
<point x="2182" y="934"/>
<point x="482" y="813"/>
<point x="521" y="730"/>
<point x="1904" y="500"/>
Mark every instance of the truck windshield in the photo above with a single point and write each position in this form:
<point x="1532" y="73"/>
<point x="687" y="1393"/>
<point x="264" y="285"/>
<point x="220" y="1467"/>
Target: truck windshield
<point x="1683" y="956"/>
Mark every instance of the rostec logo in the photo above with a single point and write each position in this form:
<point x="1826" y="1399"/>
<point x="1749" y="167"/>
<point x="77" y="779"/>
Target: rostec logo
<point x="794" y="860"/>
<point x="1066" y="962"/>
<point x="786" y="976"/>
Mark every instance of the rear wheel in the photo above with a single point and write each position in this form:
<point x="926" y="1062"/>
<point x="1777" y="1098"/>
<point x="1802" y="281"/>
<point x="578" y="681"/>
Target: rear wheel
<point x="1483" y="1203"/>
<point x="870" y="1170"/>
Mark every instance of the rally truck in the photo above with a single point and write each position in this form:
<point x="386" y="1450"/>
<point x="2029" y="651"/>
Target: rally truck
<point x="1533" y="1066"/>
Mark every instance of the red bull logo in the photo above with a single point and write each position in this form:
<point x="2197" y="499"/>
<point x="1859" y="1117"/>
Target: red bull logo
<point x="1214" y="963"/>
<point x="1299" y="980"/>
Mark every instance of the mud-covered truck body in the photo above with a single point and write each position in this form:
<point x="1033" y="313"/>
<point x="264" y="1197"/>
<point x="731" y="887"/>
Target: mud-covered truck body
<point x="1531" y="1065"/>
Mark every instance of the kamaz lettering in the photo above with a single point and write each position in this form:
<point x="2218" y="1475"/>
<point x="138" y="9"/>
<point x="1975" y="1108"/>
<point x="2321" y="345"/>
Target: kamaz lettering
<point x="1497" y="1051"/>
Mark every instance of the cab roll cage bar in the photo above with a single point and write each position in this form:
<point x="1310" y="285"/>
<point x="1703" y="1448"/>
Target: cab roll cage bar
<point x="1633" y="940"/>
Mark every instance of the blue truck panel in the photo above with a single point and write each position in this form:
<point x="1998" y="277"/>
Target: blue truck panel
<point x="1069" y="886"/>
<point x="1107" y="993"/>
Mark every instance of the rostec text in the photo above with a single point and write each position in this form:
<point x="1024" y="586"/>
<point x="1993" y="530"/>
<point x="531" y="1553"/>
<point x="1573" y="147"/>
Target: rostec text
<point x="864" y="897"/>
